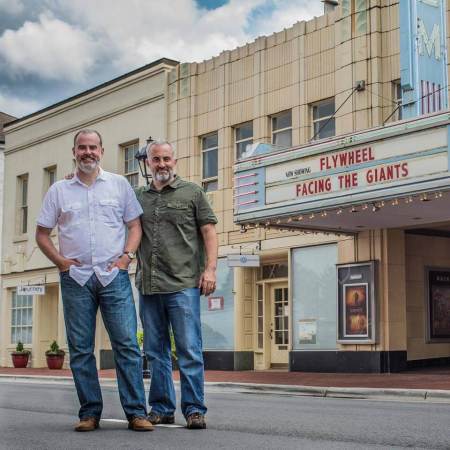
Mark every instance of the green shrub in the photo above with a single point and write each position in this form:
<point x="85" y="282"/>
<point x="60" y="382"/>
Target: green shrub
<point x="20" y="349"/>
<point x="55" y="350"/>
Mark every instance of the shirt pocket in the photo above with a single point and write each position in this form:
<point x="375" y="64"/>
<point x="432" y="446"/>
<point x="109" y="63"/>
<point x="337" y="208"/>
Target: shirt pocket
<point x="178" y="212"/>
<point x="71" y="214"/>
<point x="109" y="211"/>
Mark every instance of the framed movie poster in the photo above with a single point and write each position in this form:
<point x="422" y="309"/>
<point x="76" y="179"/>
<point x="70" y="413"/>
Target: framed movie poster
<point x="438" y="304"/>
<point x="356" y="305"/>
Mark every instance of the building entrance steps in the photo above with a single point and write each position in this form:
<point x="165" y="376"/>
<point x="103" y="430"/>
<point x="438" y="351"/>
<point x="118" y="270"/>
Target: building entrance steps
<point x="422" y="379"/>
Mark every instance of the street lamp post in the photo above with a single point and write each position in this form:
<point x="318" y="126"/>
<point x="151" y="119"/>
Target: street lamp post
<point x="141" y="156"/>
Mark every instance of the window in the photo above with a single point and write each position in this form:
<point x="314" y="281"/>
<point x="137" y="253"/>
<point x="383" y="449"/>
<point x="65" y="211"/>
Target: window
<point x="21" y="318"/>
<point x="131" y="165"/>
<point x="22" y="204"/>
<point x="397" y="96"/>
<point x="243" y="138"/>
<point x="323" y="124"/>
<point x="282" y="129"/>
<point x="274" y="270"/>
<point x="209" y="161"/>
<point x="50" y="177"/>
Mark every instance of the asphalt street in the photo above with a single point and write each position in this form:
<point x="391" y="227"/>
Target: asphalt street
<point x="41" y="416"/>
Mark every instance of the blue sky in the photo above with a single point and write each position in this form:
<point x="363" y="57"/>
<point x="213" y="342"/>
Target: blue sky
<point x="53" y="49"/>
<point x="211" y="4"/>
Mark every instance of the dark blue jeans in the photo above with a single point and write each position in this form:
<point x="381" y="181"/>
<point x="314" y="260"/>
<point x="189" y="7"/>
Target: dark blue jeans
<point x="181" y="311"/>
<point x="119" y="316"/>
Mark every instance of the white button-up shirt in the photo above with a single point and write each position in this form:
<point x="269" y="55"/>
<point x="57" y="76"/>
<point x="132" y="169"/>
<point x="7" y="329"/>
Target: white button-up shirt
<point x="91" y="222"/>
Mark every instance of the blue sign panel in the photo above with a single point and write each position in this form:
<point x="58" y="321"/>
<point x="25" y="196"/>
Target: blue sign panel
<point x="423" y="57"/>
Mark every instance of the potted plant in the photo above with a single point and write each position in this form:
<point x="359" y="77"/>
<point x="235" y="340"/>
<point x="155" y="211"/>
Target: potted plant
<point x="20" y="356"/>
<point x="55" y="356"/>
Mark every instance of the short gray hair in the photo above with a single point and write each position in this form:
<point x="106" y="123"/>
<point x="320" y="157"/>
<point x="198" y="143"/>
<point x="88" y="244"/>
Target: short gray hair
<point x="161" y="142"/>
<point x="87" y="131"/>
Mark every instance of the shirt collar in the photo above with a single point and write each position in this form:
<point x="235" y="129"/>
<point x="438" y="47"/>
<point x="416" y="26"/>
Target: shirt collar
<point x="100" y="177"/>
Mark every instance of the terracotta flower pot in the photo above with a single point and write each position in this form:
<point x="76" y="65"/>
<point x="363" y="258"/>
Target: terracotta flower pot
<point x="20" y="360"/>
<point x="55" y="361"/>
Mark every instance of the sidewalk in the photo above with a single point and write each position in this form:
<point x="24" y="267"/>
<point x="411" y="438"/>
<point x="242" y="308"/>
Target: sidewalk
<point x="420" y="379"/>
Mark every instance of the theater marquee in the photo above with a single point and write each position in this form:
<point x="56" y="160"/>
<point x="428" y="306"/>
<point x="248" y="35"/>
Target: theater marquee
<point x="401" y="159"/>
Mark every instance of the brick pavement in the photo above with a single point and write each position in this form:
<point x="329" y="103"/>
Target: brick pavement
<point x="430" y="378"/>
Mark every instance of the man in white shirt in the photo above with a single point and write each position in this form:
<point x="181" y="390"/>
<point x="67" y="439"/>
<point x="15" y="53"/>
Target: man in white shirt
<point x="93" y="211"/>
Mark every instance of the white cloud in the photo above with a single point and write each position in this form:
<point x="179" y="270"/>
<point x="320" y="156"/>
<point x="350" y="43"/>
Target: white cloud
<point x="82" y="42"/>
<point x="17" y="107"/>
<point x="50" y="49"/>
<point x="143" y="30"/>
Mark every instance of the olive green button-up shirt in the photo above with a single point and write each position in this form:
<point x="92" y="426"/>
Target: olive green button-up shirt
<point x="171" y="256"/>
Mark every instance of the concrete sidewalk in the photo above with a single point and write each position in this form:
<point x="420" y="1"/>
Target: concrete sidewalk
<point x="431" y="384"/>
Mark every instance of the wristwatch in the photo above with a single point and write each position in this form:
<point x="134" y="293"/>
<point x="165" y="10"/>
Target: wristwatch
<point x="130" y="255"/>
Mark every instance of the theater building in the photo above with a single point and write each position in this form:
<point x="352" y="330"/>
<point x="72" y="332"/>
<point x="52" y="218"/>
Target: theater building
<point x="324" y="151"/>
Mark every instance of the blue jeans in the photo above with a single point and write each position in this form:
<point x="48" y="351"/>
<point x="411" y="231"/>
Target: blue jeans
<point x="119" y="316"/>
<point x="180" y="311"/>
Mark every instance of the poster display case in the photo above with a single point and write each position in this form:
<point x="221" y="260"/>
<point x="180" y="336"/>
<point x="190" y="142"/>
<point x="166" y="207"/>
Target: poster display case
<point x="438" y="304"/>
<point x="356" y="303"/>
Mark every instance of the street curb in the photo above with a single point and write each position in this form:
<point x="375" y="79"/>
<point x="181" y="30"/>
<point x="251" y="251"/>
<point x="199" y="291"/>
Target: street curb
<point x="431" y="395"/>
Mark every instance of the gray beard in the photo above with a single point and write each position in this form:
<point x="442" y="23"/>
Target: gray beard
<point x="88" y="168"/>
<point x="163" y="177"/>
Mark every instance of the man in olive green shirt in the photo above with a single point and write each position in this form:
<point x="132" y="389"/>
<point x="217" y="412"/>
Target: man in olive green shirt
<point x="178" y="227"/>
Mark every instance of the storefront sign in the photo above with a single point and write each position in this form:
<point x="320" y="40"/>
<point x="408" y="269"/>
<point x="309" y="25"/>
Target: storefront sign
<point x="438" y="305"/>
<point x="37" y="289"/>
<point x="356" y="303"/>
<point x="366" y="179"/>
<point x="243" y="260"/>
<point x="370" y="154"/>
<point x="215" y="303"/>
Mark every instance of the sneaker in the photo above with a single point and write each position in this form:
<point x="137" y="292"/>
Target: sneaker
<point x="196" y="421"/>
<point x="87" y="424"/>
<point x="140" y="424"/>
<point x="157" y="419"/>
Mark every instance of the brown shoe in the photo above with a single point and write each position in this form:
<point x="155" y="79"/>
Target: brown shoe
<point x="140" y="424"/>
<point x="87" y="424"/>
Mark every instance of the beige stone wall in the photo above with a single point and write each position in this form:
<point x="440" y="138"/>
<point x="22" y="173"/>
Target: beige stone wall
<point x="422" y="252"/>
<point x="129" y="109"/>
<point x="289" y="70"/>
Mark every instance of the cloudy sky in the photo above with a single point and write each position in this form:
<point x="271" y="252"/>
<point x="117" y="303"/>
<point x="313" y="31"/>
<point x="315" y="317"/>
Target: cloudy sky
<point x="53" y="49"/>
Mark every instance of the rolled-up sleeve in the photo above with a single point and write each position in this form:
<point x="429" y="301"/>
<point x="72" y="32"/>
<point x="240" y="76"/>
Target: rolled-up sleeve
<point x="48" y="215"/>
<point x="204" y="212"/>
<point x="132" y="209"/>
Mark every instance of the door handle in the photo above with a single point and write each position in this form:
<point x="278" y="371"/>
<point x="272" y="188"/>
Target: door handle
<point x="271" y="333"/>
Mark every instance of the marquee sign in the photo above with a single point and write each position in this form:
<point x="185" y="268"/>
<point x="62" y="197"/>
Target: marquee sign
<point x="399" y="159"/>
<point x="360" y="168"/>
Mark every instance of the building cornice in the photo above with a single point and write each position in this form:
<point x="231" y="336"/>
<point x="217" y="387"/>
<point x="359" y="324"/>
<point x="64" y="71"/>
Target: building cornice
<point x="86" y="123"/>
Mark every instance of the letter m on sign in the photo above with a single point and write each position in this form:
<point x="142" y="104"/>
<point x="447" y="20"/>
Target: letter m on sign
<point x="426" y="42"/>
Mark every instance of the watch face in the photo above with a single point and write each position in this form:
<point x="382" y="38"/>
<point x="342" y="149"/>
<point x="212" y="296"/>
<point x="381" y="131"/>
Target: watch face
<point x="131" y="255"/>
